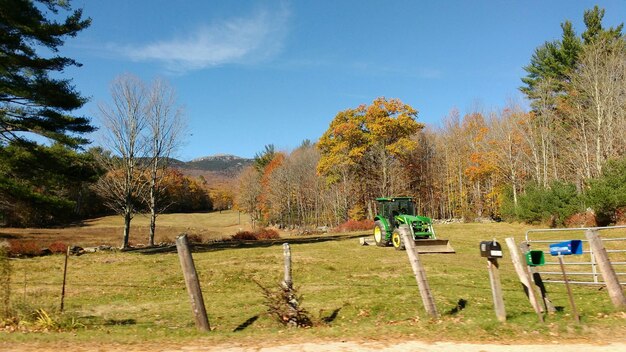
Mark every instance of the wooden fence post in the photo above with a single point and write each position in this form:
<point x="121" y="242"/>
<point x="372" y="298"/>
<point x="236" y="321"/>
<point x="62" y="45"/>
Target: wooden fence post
<point x="496" y="288"/>
<point x="539" y="282"/>
<point x="5" y="282"/>
<point x="524" y="277"/>
<point x="608" y="273"/>
<point x="569" y="290"/>
<point x="420" y="274"/>
<point x="192" y="283"/>
<point x="67" y="254"/>
<point x="287" y="281"/>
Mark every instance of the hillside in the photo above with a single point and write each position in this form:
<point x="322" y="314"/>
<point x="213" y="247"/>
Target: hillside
<point x="220" y="164"/>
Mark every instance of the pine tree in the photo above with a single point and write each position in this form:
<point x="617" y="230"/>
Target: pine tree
<point x="31" y="100"/>
<point x="554" y="61"/>
<point x="35" y="101"/>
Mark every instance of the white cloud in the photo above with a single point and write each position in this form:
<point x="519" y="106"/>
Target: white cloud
<point x="239" y="40"/>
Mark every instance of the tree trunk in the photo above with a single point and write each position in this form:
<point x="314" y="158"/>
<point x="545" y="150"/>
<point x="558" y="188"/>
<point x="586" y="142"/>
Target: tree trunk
<point x="127" y="218"/>
<point x="153" y="216"/>
<point x="514" y="184"/>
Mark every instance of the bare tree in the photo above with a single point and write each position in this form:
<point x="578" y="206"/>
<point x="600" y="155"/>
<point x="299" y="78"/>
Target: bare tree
<point x="165" y="127"/>
<point x="123" y="121"/>
<point x="248" y="193"/>
<point x="599" y="97"/>
<point x="540" y="132"/>
<point x="506" y="139"/>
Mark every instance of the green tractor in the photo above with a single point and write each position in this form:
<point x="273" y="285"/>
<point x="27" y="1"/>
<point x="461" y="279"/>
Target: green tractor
<point x="396" y="215"/>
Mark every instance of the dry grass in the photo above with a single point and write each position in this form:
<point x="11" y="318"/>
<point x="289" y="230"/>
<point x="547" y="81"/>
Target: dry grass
<point x="108" y="230"/>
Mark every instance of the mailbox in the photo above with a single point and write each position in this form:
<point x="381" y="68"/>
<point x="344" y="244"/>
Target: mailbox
<point x="567" y="248"/>
<point x="490" y="249"/>
<point x="535" y="258"/>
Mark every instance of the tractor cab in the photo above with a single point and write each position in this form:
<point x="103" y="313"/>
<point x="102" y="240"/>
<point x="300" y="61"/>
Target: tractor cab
<point x="389" y="208"/>
<point x="396" y="206"/>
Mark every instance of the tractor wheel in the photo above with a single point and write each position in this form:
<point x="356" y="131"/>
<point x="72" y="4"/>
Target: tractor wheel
<point x="397" y="241"/>
<point x="380" y="235"/>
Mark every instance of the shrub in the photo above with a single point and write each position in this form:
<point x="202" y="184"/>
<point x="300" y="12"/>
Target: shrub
<point x="194" y="238"/>
<point x="545" y="205"/>
<point x="261" y="234"/>
<point x="267" y="234"/>
<point x="244" y="236"/>
<point x="586" y="219"/>
<point x="607" y="193"/>
<point x="283" y="304"/>
<point x="620" y="216"/>
<point x="354" y="225"/>
<point x="58" y="247"/>
<point x="18" y="248"/>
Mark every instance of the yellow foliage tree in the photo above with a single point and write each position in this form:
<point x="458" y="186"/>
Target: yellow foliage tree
<point x="363" y="144"/>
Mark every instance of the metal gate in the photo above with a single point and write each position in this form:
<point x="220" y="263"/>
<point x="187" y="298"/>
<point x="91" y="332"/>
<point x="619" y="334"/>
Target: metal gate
<point x="580" y="269"/>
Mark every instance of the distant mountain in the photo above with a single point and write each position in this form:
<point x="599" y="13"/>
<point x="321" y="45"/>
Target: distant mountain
<point x="225" y="164"/>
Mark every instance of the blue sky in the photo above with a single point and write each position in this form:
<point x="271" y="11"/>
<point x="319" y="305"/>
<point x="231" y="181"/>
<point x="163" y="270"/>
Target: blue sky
<point x="251" y="73"/>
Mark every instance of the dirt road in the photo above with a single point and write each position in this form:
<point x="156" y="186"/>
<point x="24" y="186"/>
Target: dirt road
<point x="407" y="346"/>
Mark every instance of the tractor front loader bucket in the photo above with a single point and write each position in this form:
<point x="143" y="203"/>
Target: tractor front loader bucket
<point x="433" y="246"/>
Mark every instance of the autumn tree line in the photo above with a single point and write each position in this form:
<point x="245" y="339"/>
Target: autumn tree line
<point x="562" y="155"/>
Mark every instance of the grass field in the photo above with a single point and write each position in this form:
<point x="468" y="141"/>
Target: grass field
<point x="108" y="230"/>
<point x="130" y="297"/>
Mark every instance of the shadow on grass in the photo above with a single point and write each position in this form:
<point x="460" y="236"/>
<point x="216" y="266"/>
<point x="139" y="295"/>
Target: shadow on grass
<point x="246" y="323"/>
<point x="460" y="305"/>
<point x="120" y="322"/>
<point x="329" y="319"/>
<point x="7" y="236"/>
<point x="217" y="246"/>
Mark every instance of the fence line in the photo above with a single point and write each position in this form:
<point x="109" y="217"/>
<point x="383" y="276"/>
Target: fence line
<point x="581" y="266"/>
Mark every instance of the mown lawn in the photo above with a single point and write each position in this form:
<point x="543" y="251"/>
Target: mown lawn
<point x="130" y="297"/>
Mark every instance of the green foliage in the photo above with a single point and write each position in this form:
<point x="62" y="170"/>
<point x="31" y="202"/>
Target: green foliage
<point x="540" y="205"/>
<point x="262" y="159"/>
<point x="39" y="185"/>
<point x="42" y="185"/>
<point x="33" y="101"/>
<point x="553" y="61"/>
<point x="593" y="22"/>
<point x="607" y="193"/>
<point x="508" y="209"/>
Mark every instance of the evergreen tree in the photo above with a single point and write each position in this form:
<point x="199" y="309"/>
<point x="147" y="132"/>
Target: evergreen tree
<point x="607" y="194"/>
<point x="34" y="101"/>
<point x="42" y="186"/>
<point x="554" y="61"/>
<point x="593" y="22"/>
